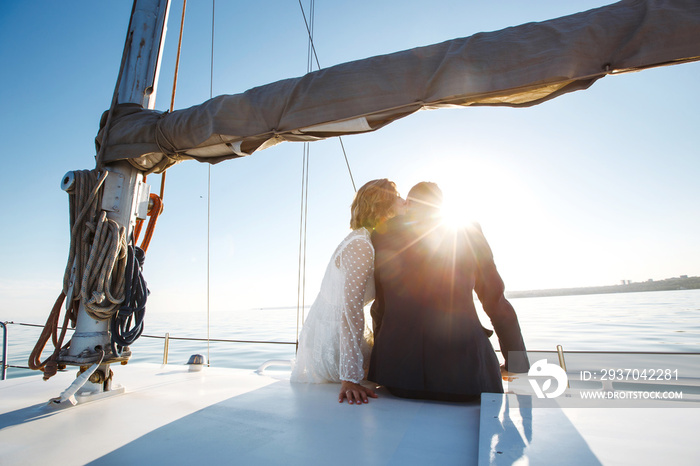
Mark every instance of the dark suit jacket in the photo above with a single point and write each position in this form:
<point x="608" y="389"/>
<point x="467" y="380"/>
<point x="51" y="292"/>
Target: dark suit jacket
<point x="428" y="338"/>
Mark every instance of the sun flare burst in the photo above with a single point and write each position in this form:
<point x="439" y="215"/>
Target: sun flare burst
<point x="453" y="215"/>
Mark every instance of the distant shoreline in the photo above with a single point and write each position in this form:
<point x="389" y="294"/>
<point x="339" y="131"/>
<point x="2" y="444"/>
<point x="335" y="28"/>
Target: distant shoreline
<point x="678" y="283"/>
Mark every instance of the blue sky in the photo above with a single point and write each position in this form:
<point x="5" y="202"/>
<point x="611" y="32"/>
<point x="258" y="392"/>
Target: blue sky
<point x="591" y="188"/>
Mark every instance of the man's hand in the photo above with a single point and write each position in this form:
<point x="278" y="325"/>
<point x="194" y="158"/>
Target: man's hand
<point x="355" y="393"/>
<point x="506" y="375"/>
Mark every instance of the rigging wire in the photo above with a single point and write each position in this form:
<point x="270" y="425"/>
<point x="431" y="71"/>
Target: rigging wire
<point x="309" y="68"/>
<point x="312" y="51"/>
<point x="172" y="97"/>
<point x="352" y="180"/>
<point x="211" y="94"/>
<point x="310" y="33"/>
<point x="301" y="276"/>
<point x="157" y="200"/>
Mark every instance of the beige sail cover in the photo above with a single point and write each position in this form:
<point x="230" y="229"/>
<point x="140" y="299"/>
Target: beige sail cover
<point x="518" y="66"/>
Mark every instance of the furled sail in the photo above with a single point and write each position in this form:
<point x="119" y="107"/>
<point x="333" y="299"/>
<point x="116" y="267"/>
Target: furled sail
<point x="518" y="66"/>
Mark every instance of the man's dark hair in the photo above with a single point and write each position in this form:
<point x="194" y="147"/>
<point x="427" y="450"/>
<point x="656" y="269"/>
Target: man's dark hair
<point x="425" y="195"/>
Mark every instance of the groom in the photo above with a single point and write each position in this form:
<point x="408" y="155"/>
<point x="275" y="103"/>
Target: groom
<point x="428" y="341"/>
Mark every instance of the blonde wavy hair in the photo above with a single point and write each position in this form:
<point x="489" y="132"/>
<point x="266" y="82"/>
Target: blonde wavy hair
<point x="374" y="203"/>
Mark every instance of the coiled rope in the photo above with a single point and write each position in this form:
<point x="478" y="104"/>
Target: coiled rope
<point x="96" y="272"/>
<point x="98" y="252"/>
<point x="84" y="203"/>
<point x="50" y="365"/>
<point x="125" y="331"/>
<point x="112" y="285"/>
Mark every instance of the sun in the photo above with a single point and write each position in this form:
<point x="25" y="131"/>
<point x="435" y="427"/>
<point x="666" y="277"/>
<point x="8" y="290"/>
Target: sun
<point x="454" y="215"/>
<point x="477" y="190"/>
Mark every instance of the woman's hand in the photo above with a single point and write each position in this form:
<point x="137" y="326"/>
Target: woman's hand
<point x="355" y="393"/>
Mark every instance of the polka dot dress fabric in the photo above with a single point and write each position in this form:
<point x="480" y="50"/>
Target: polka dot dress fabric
<point x="333" y="344"/>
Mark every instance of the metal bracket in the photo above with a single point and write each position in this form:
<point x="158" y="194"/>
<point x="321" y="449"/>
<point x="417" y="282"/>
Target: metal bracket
<point x="143" y="196"/>
<point x="87" y="357"/>
<point x="112" y="193"/>
<point x="114" y="196"/>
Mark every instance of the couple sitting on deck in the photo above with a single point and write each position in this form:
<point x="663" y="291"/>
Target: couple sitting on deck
<point x="428" y="341"/>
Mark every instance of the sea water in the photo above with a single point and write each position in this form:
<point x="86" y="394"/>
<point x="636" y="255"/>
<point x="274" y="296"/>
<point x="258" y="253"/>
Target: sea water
<point x="661" y="321"/>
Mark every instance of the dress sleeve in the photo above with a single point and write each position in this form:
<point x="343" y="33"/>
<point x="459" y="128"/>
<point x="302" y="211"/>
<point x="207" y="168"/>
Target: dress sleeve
<point x="357" y="267"/>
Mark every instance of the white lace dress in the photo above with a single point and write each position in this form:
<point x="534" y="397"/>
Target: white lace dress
<point x="333" y="343"/>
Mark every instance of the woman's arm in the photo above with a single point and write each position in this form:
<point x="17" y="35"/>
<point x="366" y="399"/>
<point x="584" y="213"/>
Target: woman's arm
<point x="357" y="267"/>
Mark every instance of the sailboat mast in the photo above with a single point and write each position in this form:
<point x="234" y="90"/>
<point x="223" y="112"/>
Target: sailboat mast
<point x="125" y="196"/>
<point x="146" y="35"/>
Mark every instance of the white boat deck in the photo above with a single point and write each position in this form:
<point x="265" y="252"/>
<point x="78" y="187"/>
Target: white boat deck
<point x="170" y="415"/>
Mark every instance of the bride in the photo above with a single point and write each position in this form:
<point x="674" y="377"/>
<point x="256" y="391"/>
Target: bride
<point x="333" y="344"/>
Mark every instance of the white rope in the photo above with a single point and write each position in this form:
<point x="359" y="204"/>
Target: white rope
<point x="98" y="250"/>
<point x="99" y="286"/>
